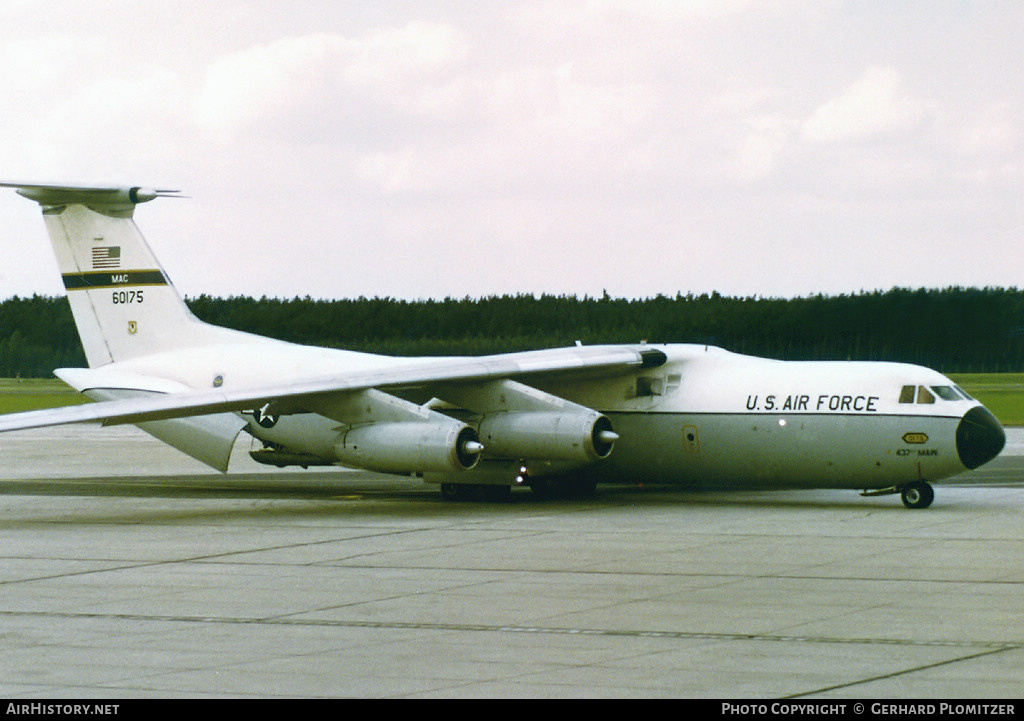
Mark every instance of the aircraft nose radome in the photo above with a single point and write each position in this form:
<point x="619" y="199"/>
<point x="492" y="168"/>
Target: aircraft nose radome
<point x="979" y="437"/>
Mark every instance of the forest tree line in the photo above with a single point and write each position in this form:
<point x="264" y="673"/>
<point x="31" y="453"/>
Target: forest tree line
<point x="951" y="329"/>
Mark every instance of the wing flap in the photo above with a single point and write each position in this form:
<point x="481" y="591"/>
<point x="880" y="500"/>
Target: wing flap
<point x="208" y="438"/>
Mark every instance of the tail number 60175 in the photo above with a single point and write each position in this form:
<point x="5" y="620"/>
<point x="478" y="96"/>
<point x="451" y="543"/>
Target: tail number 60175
<point x="122" y="297"/>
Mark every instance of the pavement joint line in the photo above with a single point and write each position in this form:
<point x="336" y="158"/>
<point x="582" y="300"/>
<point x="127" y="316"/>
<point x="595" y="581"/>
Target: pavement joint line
<point x="905" y="672"/>
<point x="343" y="563"/>
<point x="290" y="620"/>
<point x="190" y="559"/>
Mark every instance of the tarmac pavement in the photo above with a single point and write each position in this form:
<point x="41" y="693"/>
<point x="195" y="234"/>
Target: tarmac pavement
<point x="127" y="570"/>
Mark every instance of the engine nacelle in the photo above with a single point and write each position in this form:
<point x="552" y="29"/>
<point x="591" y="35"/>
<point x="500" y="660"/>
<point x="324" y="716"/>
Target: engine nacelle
<point x="410" y="447"/>
<point x="547" y="435"/>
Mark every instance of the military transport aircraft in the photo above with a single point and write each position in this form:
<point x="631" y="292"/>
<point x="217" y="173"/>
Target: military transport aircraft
<point x="554" y="420"/>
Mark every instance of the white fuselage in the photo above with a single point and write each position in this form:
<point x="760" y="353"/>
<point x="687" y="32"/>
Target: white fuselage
<point x="704" y="418"/>
<point x="719" y="419"/>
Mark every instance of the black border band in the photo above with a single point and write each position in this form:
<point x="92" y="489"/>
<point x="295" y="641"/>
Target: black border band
<point x="113" y="279"/>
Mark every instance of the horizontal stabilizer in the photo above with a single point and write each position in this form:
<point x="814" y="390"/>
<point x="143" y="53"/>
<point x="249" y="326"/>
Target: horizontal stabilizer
<point x="100" y="198"/>
<point x="123" y="303"/>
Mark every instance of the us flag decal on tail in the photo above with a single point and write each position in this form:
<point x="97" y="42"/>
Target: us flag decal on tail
<point x="106" y="257"/>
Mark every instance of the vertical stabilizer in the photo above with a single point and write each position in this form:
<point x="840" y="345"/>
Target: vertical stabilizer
<point x="123" y="303"/>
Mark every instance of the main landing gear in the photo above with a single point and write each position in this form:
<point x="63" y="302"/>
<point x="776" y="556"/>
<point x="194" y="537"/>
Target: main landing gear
<point x="917" y="494"/>
<point x="476" y="492"/>
<point x="563" y="489"/>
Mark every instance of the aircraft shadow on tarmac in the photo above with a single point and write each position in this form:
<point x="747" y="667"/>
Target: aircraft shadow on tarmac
<point x="378" y="493"/>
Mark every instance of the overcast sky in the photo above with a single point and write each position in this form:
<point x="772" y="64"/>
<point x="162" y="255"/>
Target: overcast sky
<point x="432" y="149"/>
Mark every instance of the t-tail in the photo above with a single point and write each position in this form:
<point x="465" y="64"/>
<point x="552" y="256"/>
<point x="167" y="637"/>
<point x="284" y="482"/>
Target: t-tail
<point x="125" y="308"/>
<point x="123" y="303"/>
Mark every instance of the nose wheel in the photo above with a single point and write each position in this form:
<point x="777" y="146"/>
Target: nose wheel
<point x="917" y="495"/>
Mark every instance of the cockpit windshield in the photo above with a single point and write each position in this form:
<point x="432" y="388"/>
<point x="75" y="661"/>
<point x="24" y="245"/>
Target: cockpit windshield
<point x="947" y="393"/>
<point x="928" y="394"/>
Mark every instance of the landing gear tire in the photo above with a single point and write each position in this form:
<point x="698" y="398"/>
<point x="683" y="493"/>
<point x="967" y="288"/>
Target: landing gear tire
<point x="568" y="489"/>
<point x="496" y="494"/>
<point x="541" y="489"/>
<point x="583" y="488"/>
<point x="917" y="495"/>
<point x="450" y="491"/>
<point x="476" y="492"/>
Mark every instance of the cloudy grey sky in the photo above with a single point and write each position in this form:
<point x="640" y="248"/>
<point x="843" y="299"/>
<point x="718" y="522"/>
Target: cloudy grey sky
<point x="419" y="149"/>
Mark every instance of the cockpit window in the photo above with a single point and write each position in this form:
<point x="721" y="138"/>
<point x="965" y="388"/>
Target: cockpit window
<point x="964" y="393"/>
<point x="921" y="394"/>
<point x="947" y="393"/>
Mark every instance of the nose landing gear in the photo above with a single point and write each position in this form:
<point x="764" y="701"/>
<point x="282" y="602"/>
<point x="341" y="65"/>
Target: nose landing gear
<point x="918" y="494"/>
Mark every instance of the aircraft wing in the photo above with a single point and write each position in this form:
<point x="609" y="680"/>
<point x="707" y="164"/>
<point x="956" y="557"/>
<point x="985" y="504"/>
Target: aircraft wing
<point x="417" y="373"/>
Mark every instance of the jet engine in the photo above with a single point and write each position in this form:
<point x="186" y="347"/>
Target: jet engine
<point x="578" y="436"/>
<point x="410" y="446"/>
